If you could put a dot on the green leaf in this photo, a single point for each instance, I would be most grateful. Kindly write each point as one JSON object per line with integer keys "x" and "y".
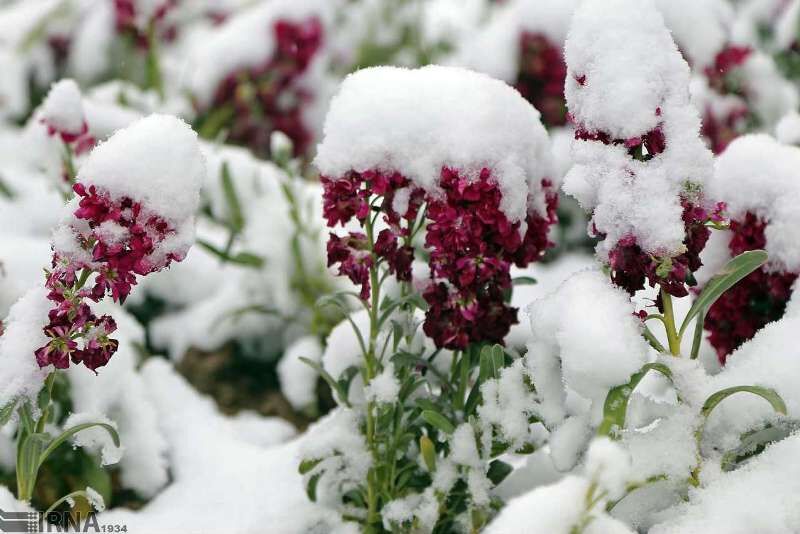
{"x": 28, "y": 454}
{"x": 311, "y": 487}
{"x": 68, "y": 433}
{"x": 245, "y": 259}
{"x": 248, "y": 259}
{"x": 616, "y": 404}
{"x": 524, "y": 281}
{"x": 753, "y": 443}
{"x": 498, "y": 471}
{"x": 768, "y": 394}
{"x": 428, "y": 450}
{"x": 7, "y": 411}
{"x": 498, "y": 360}
{"x": 736, "y": 269}
{"x": 438, "y": 421}
{"x": 333, "y": 384}
{"x": 651, "y": 338}
{"x": 235, "y": 216}
{"x": 307, "y": 465}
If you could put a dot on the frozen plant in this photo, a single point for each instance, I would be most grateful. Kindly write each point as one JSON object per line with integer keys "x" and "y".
{"x": 644, "y": 174}
{"x": 266, "y": 83}
{"x": 640, "y": 165}
{"x": 62, "y": 114}
{"x": 133, "y": 215}
{"x": 756, "y": 177}
{"x": 462, "y": 160}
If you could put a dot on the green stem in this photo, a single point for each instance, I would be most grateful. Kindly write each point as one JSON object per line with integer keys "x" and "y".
{"x": 371, "y": 371}
{"x": 78, "y": 493}
{"x": 48, "y": 384}
{"x": 669, "y": 324}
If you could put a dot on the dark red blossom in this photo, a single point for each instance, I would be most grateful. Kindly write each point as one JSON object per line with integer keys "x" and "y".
{"x": 643, "y": 147}
{"x": 352, "y": 254}
{"x": 472, "y": 245}
{"x": 119, "y": 243}
{"x": 125, "y": 21}
{"x": 631, "y": 266}
{"x": 260, "y": 100}
{"x": 720, "y": 127}
{"x": 542, "y": 72}
{"x": 758, "y": 299}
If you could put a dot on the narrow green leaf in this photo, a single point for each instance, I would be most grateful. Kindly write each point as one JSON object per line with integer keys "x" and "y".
{"x": 439, "y": 421}
{"x": 768, "y": 394}
{"x": 736, "y": 269}
{"x": 651, "y": 338}
{"x": 498, "y": 471}
{"x": 333, "y": 384}
{"x": 68, "y": 433}
{"x": 616, "y": 405}
{"x": 248, "y": 259}
{"x": 498, "y": 360}
{"x": 524, "y": 281}
{"x": 311, "y": 487}
{"x": 235, "y": 216}
{"x": 7, "y": 411}
{"x": 753, "y": 443}
{"x": 245, "y": 259}
{"x": 307, "y": 465}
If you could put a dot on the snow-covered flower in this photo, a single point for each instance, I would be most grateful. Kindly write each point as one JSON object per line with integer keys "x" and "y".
{"x": 639, "y": 164}
{"x": 756, "y": 176}
{"x": 119, "y": 229}
{"x": 484, "y": 213}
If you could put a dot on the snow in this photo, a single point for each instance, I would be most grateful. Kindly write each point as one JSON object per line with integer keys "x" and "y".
{"x": 787, "y": 131}
{"x": 298, "y": 379}
{"x": 384, "y": 387}
{"x": 344, "y": 458}
{"x": 609, "y": 465}
{"x": 95, "y": 438}
{"x": 267, "y": 472}
{"x": 95, "y": 499}
{"x": 770, "y": 360}
{"x": 627, "y": 196}
{"x": 554, "y": 509}
{"x": 700, "y": 28}
{"x": 417, "y": 121}
{"x": 119, "y": 391}
{"x": 62, "y": 110}
{"x": 20, "y": 375}
{"x": 759, "y": 175}
{"x": 611, "y": 335}
{"x": 507, "y": 404}
{"x": 759, "y": 497}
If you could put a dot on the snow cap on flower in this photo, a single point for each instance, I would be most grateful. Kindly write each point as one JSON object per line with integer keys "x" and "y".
{"x": 758, "y": 175}
{"x": 419, "y": 121}
{"x": 155, "y": 162}
{"x": 62, "y": 111}
{"x": 637, "y": 148}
